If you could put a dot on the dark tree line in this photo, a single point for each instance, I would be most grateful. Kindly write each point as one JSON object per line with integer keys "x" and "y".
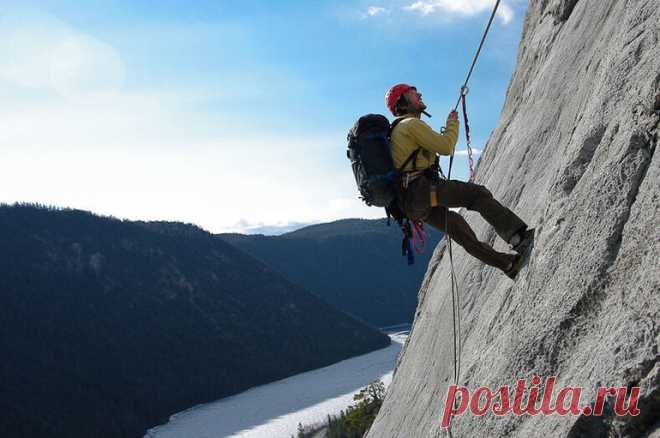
{"x": 353, "y": 264}
{"x": 355, "y": 421}
{"x": 107, "y": 327}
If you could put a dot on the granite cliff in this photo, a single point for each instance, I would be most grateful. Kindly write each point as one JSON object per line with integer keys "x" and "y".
{"x": 574, "y": 155}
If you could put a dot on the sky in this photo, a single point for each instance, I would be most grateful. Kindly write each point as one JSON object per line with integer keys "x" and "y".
{"x": 231, "y": 115}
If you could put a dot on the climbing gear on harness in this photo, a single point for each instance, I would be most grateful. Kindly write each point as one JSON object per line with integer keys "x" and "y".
{"x": 409, "y": 177}
{"x": 417, "y": 196}
{"x": 434, "y": 196}
{"x": 413, "y": 232}
{"x": 419, "y": 236}
{"x": 406, "y": 243}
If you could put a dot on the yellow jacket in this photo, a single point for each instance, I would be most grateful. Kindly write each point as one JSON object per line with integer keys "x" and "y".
{"x": 412, "y": 133}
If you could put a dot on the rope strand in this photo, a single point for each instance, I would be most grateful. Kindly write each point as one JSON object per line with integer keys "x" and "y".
{"x": 476, "y": 56}
{"x": 467, "y": 139}
{"x": 455, "y": 297}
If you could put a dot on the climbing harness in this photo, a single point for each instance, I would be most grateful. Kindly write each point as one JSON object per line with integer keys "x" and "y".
{"x": 455, "y": 298}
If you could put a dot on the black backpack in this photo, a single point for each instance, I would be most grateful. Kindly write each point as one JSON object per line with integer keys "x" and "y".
{"x": 370, "y": 152}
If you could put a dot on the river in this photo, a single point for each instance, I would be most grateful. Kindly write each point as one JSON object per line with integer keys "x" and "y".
{"x": 274, "y": 410}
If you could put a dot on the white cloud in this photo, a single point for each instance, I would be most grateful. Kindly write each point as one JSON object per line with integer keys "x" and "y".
{"x": 425, "y": 8}
{"x": 451, "y": 8}
{"x": 372, "y": 11}
{"x": 506, "y": 14}
{"x": 150, "y": 156}
{"x": 43, "y": 53}
{"x": 245, "y": 226}
{"x": 144, "y": 157}
{"x": 464, "y": 153}
{"x": 72, "y": 135}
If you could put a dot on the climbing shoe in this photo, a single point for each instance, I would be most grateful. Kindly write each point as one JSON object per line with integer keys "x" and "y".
{"x": 523, "y": 248}
{"x": 525, "y": 240}
{"x": 516, "y": 265}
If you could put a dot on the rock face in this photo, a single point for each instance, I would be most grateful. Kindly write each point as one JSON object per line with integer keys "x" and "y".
{"x": 574, "y": 156}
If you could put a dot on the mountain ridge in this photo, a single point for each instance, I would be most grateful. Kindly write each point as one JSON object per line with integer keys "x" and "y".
{"x": 111, "y": 326}
{"x": 354, "y": 264}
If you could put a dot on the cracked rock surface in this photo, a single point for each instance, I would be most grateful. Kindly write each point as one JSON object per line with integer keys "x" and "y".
{"x": 574, "y": 154}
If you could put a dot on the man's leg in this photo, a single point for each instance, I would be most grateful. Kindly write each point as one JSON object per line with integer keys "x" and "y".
{"x": 459, "y": 231}
{"x": 478, "y": 198}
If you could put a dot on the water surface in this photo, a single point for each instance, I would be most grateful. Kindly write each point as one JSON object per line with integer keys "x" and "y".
{"x": 275, "y": 409}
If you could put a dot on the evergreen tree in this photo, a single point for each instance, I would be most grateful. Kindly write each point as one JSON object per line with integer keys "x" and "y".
{"x": 358, "y": 418}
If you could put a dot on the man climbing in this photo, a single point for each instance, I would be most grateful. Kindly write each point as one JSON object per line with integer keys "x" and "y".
{"x": 425, "y": 196}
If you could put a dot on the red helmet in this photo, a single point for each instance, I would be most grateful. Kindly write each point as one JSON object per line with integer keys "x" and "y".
{"x": 393, "y": 94}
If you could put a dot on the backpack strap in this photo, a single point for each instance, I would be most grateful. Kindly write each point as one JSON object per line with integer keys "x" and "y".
{"x": 394, "y": 123}
{"x": 413, "y": 156}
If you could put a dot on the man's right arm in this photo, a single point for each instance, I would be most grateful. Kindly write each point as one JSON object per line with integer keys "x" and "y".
{"x": 427, "y": 138}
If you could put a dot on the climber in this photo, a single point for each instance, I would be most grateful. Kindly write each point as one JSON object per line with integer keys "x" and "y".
{"x": 425, "y": 196}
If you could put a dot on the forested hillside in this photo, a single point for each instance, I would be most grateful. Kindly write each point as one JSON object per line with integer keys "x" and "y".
{"x": 108, "y": 326}
{"x": 353, "y": 264}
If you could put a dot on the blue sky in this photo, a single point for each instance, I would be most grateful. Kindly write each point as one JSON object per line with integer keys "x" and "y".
{"x": 228, "y": 114}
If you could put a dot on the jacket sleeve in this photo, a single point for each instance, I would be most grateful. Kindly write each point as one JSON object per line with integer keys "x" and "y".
{"x": 427, "y": 138}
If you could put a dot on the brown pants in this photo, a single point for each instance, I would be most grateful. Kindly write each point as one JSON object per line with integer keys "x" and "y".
{"x": 416, "y": 202}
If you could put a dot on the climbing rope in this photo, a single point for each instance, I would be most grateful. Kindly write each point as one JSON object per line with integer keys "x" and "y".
{"x": 455, "y": 298}
{"x": 476, "y": 56}
{"x": 467, "y": 137}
